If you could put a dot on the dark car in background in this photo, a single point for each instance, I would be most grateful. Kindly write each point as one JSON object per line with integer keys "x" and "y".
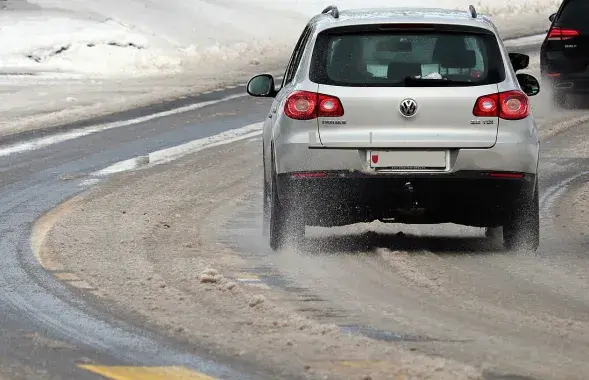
{"x": 564, "y": 55}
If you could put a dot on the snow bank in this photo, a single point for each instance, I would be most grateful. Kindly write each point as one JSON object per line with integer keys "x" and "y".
{"x": 113, "y": 38}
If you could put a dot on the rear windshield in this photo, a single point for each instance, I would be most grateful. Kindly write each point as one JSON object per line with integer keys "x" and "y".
{"x": 574, "y": 14}
{"x": 406, "y": 58}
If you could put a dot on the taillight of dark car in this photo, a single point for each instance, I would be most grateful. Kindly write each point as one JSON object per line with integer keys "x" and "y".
{"x": 305, "y": 105}
{"x": 562, "y": 34}
{"x": 509, "y": 105}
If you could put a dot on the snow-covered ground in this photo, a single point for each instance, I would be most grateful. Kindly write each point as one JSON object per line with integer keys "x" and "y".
{"x": 67, "y": 59}
{"x": 143, "y": 37}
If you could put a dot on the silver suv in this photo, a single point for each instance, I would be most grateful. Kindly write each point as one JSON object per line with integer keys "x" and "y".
{"x": 405, "y": 116}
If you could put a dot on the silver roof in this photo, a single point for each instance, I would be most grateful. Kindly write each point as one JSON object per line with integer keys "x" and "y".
{"x": 402, "y": 15}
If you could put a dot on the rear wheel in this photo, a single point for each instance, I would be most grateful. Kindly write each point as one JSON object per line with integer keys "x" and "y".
{"x": 493, "y": 232}
{"x": 522, "y": 229}
{"x": 266, "y": 209}
{"x": 285, "y": 224}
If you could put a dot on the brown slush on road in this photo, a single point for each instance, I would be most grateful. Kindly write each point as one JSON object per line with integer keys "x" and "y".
{"x": 144, "y": 244}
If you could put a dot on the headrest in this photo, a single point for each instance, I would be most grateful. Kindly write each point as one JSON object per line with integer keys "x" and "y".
{"x": 451, "y": 52}
{"x": 347, "y": 49}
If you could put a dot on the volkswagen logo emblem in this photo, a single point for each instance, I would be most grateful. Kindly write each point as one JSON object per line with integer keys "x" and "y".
{"x": 408, "y": 107}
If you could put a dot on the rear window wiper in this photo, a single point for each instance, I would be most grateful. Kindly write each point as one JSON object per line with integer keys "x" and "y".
{"x": 414, "y": 81}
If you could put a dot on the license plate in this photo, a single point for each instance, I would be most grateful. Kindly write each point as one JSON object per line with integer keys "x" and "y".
{"x": 408, "y": 160}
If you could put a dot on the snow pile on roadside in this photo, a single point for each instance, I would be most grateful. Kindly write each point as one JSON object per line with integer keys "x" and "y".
{"x": 110, "y": 38}
{"x": 61, "y": 44}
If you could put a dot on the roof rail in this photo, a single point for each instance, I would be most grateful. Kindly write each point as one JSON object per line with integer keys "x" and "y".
{"x": 473, "y": 11}
{"x": 333, "y": 10}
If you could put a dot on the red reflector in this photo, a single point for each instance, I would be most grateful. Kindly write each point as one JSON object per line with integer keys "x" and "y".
{"x": 553, "y": 74}
{"x": 509, "y": 105}
{"x": 309, "y": 175}
{"x": 507, "y": 175}
{"x": 560, "y": 34}
{"x": 306, "y": 105}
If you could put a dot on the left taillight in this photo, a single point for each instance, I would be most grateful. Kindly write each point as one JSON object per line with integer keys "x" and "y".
{"x": 509, "y": 105}
{"x": 305, "y": 105}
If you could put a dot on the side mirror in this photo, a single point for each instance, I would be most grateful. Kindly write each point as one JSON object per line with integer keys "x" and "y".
{"x": 519, "y": 61}
{"x": 529, "y": 84}
{"x": 552, "y": 17}
{"x": 262, "y": 86}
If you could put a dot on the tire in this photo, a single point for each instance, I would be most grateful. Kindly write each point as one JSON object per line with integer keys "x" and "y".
{"x": 266, "y": 201}
{"x": 492, "y": 233}
{"x": 276, "y": 222}
{"x": 285, "y": 225}
{"x": 522, "y": 230}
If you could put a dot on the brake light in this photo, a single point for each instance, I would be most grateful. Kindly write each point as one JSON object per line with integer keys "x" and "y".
{"x": 305, "y": 105}
{"x": 509, "y": 105}
{"x": 560, "y": 34}
{"x": 506, "y": 175}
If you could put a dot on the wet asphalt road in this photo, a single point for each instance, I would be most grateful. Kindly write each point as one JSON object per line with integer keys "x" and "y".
{"x": 454, "y": 293}
{"x": 447, "y": 290}
{"x": 46, "y": 328}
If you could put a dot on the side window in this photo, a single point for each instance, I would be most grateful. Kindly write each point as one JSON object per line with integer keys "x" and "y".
{"x": 297, "y": 54}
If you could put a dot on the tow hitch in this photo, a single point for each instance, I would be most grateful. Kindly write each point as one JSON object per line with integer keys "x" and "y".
{"x": 410, "y": 199}
{"x": 409, "y": 205}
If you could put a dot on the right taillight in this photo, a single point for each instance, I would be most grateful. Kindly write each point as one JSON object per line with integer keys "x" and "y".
{"x": 305, "y": 105}
{"x": 509, "y": 105}
{"x": 561, "y": 34}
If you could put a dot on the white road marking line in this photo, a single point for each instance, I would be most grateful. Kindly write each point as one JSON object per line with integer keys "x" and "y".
{"x": 530, "y": 40}
{"x": 54, "y": 139}
{"x": 173, "y": 153}
{"x": 89, "y": 182}
{"x": 556, "y": 191}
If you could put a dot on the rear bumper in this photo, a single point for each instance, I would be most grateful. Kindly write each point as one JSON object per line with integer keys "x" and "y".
{"x": 516, "y": 149}
{"x": 476, "y": 198}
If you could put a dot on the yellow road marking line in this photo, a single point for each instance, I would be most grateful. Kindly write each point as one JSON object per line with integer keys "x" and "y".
{"x": 145, "y": 373}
